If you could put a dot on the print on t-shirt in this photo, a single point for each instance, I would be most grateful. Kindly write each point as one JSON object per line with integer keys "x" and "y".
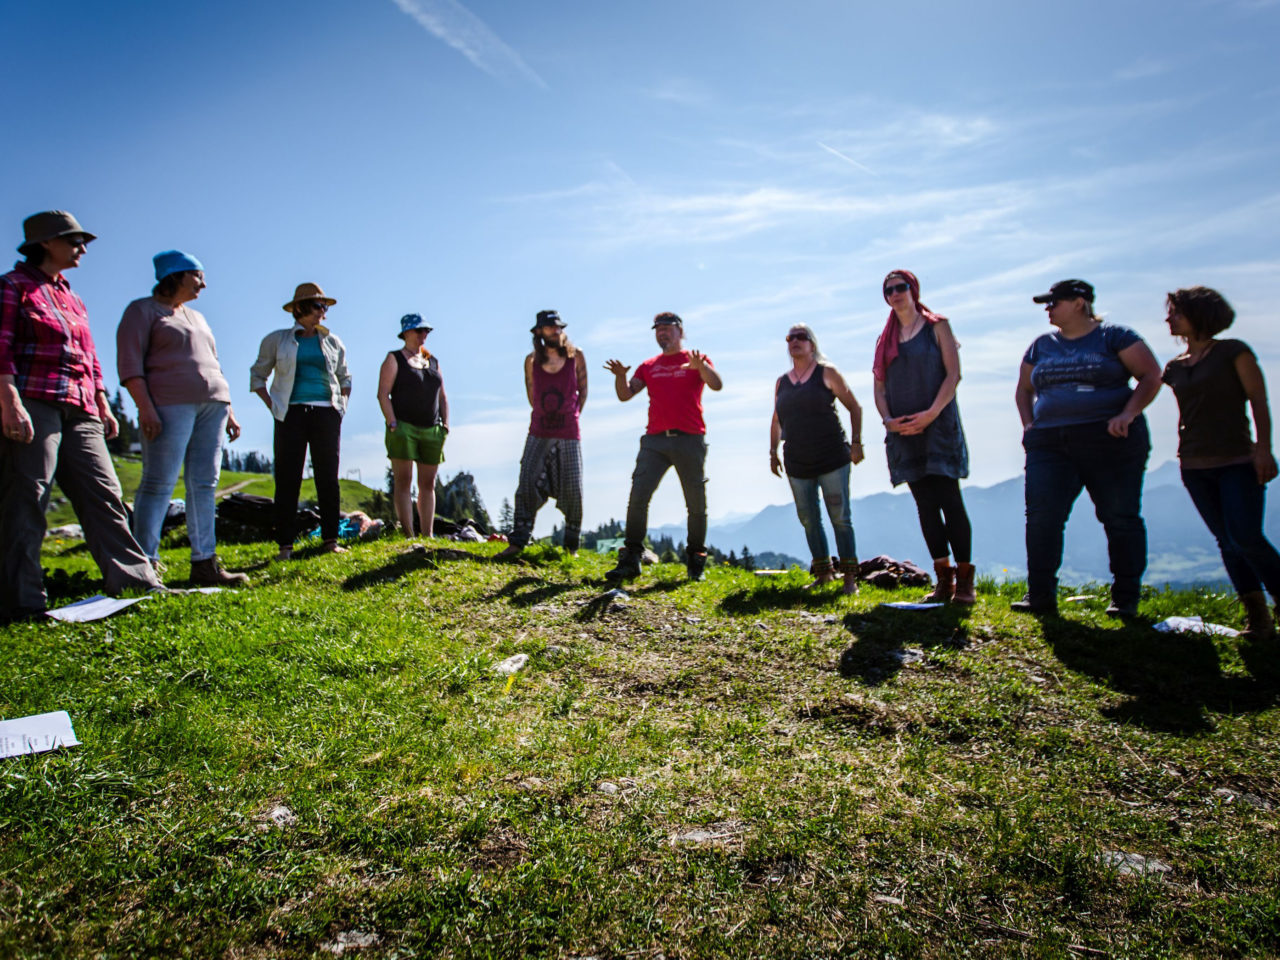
{"x": 552, "y": 404}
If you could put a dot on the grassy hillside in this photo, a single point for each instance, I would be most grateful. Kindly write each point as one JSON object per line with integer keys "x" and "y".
{"x": 263, "y": 484}
{"x": 727, "y": 769}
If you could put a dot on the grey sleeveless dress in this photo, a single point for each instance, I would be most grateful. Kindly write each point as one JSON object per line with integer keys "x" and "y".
{"x": 910, "y": 385}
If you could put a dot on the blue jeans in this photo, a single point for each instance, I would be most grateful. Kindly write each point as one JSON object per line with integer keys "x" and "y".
{"x": 1232, "y": 503}
{"x": 1061, "y": 461}
{"x": 835, "y": 491}
{"x": 191, "y": 441}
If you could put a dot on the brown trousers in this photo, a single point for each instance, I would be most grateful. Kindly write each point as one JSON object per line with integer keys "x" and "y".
{"x": 68, "y": 446}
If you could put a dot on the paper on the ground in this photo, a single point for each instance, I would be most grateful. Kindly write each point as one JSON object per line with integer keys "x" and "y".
{"x": 1194, "y": 625}
{"x": 44, "y": 731}
{"x": 904, "y": 605}
{"x": 94, "y": 608}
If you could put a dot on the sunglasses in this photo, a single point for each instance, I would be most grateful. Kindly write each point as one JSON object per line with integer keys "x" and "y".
{"x": 802, "y": 337}
{"x": 896, "y": 288}
{"x": 319, "y": 306}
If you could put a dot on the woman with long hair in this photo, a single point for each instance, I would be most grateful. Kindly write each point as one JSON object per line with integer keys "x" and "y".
{"x": 815, "y": 453}
{"x": 555, "y": 383}
{"x": 1224, "y": 468}
{"x": 917, "y": 370}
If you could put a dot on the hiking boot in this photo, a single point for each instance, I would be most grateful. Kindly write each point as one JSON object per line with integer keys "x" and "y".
{"x": 946, "y": 587}
{"x": 1124, "y": 602}
{"x": 628, "y": 567}
{"x": 697, "y": 565}
{"x": 1258, "y": 614}
{"x": 965, "y": 592}
{"x": 209, "y": 573}
{"x": 849, "y": 572}
{"x": 571, "y": 543}
{"x": 1030, "y": 604}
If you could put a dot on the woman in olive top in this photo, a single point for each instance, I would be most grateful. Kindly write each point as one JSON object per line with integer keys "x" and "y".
{"x": 308, "y": 397}
{"x": 815, "y": 452}
{"x": 411, "y": 395}
{"x": 1225, "y": 470}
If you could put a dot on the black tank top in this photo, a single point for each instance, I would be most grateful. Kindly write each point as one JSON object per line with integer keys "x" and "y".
{"x": 415, "y": 396}
{"x": 813, "y": 440}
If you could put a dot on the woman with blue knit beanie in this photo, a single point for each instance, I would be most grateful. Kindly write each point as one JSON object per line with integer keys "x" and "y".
{"x": 167, "y": 360}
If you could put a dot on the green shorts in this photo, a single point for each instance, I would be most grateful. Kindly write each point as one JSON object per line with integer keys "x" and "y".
{"x": 419, "y": 444}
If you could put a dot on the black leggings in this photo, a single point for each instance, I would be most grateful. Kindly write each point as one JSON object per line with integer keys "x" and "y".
{"x": 943, "y": 519}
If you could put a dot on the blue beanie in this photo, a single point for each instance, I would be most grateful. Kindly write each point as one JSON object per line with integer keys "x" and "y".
{"x": 175, "y": 261}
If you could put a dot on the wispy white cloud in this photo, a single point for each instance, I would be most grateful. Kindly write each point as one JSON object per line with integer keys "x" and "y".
{"x": 682, "y": 91}
{"x": 846, "y": 158}
{"x": 1142, "y": 68}
{"x": 455, "y": 25}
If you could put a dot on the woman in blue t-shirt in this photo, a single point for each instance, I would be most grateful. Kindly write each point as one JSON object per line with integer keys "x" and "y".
{"x": 1083, "y": 428}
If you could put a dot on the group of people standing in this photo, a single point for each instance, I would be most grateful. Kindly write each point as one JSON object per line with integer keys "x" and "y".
{"x": 1083, "y": 429}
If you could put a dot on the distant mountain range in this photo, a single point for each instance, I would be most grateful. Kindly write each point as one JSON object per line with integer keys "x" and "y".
{"x": 1181, "y": 550}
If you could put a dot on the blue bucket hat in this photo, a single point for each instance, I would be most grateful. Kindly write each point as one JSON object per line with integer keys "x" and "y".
{"x": 175, "y": 261}
{"x": 412, "y": 321}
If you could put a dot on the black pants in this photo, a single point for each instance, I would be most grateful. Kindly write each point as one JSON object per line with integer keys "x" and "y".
{"x": 321, "y": 429}
{"x": 943, "y": 519}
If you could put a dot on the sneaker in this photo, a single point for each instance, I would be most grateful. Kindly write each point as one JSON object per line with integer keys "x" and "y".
{"x": 628, "y": 567}
{"x": 696, "y": 565}
{"x": 209, "y": 573}
{"x": 1030, "y": 604}
{"x": 1122, "y": 608}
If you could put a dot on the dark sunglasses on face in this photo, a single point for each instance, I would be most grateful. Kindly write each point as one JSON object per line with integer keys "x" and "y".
{"x": 893, "y": 288}
{"x": 802, "y": 337}
{"x": 319, "y": 306}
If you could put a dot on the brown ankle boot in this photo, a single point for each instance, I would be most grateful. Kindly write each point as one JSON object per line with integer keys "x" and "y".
{"x": 946, "y": 574}
{"x": 964, "y": 584}
{"x": 1261, "y": 627}
{"x": 209, "y": 573}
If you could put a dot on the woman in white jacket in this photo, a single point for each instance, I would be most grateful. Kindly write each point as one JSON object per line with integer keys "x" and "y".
{"x": 307, "y": 397}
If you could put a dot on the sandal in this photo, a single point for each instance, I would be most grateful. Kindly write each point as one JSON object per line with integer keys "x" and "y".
{"x": 332, "y": 546}
{"x": 286, "y": 553}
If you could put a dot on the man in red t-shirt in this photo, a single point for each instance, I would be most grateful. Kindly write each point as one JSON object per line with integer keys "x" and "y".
{"x": 676, "y": 438}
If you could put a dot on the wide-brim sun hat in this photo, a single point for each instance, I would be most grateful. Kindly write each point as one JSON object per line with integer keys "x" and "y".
{"x": 47, "y": 225}
{"x": 413, "y": 321}
{"x": 308, "y": 291}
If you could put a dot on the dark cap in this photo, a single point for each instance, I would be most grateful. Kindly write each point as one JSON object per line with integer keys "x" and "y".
{"x": 667, "y": 319}
{"x": 1066, "y": 290}
{"x": 46, "y": 226}
{"x": 547, "y": 318}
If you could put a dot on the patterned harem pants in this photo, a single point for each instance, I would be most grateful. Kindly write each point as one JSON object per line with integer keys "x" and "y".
{"x": 550, "y": 468}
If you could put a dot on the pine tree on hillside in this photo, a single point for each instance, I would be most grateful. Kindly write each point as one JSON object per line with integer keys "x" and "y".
{"x": 123, "y": 441}
{"x": 506, "y": 517}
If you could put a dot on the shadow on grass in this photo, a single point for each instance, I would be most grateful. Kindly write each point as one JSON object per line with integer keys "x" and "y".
{"x": 419, "y": 558}
{"x": 882, "y": 634}
{"x": 775, "y": 596}
{"x": 614, "y": 597}
{"x": 527, "y": 591}
{"x": 1172, "y": 680}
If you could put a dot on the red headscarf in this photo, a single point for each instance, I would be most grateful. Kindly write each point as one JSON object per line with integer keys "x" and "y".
{"x": 887, "y": 345}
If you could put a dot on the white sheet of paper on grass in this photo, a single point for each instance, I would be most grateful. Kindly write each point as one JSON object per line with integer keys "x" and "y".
{"x": 905, "y": 605}
{"x": 1194, "y": 624}
{"x": 94, "y": 608}
{"x": 44, "y": 731}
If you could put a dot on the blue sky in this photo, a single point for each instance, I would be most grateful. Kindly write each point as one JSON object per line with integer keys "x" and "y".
{"x": 746, "y": 164}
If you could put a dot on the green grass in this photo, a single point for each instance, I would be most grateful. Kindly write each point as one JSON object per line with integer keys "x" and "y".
{"x": 855, "y": 805}
{"x": 129, "y": 471}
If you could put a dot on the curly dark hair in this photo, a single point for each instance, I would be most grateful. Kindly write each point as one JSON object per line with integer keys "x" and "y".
{"x": 1205, "y": 309}
{"x": 168, "y": 286}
